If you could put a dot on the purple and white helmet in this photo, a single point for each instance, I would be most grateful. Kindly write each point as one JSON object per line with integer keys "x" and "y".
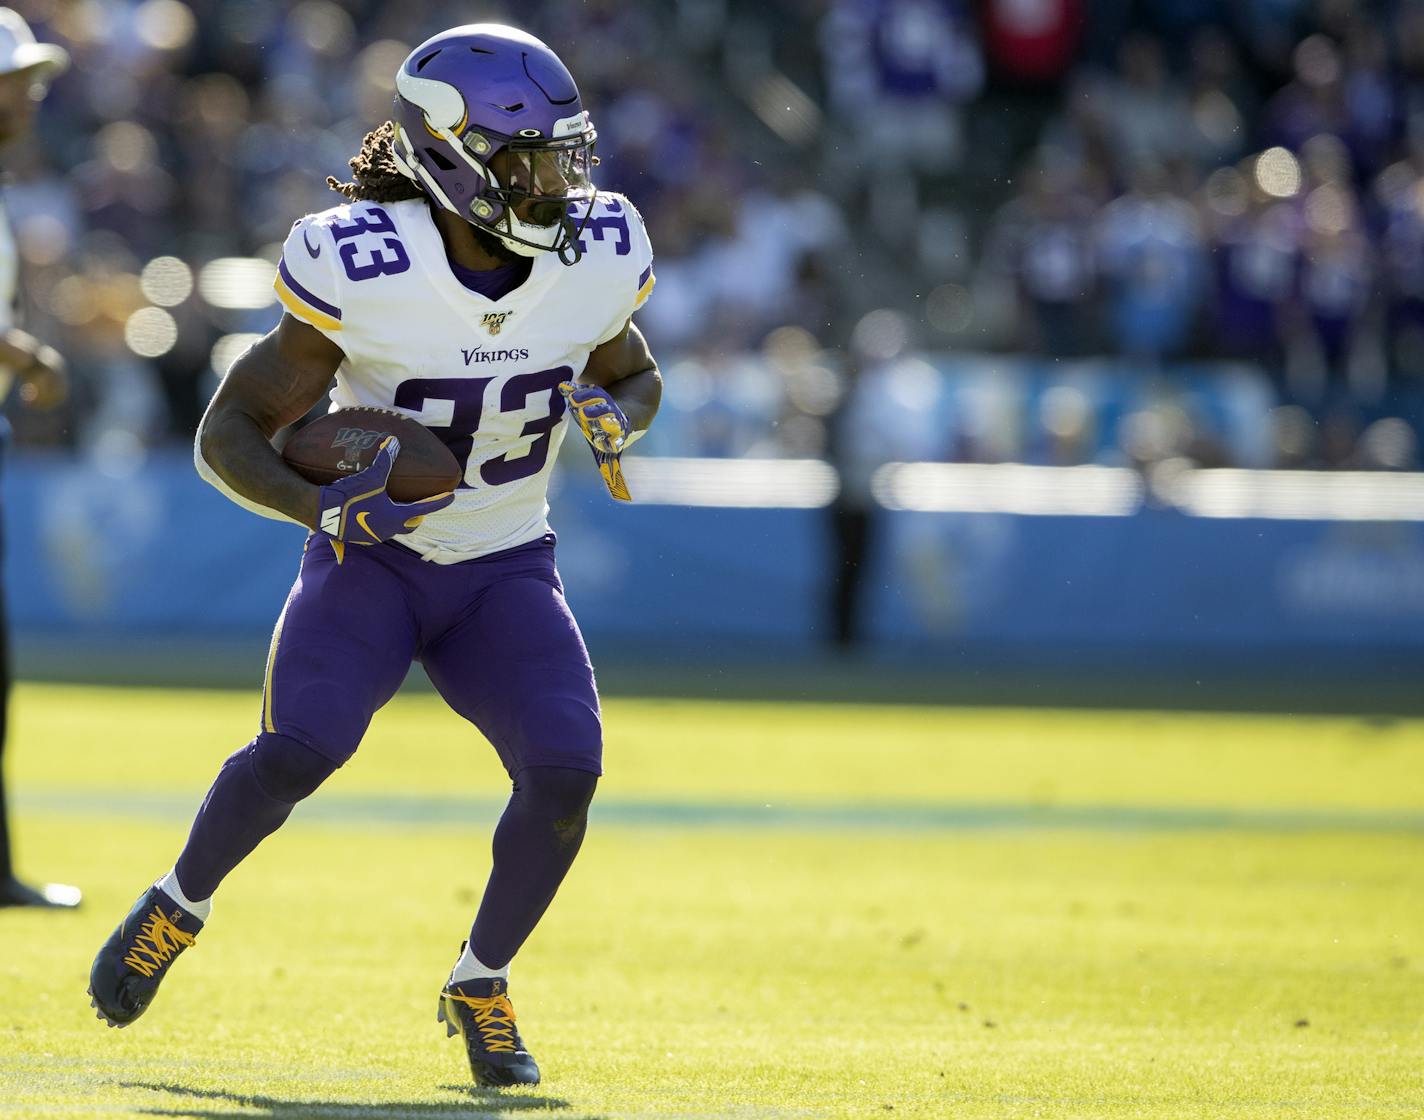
{"x": 472, "y": 92}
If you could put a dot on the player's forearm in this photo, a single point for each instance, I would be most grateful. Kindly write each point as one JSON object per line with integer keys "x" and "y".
{"x": 235, "y": 449}
{"x": 638, "y": 395}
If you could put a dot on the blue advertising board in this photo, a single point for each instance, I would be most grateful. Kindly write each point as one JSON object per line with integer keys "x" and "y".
{"x": 152, "y": 552}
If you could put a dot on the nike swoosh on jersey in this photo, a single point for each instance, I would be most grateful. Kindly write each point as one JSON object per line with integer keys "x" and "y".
{"x": 314, "y": 250}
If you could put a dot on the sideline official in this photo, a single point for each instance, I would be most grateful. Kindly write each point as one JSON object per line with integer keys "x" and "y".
{"x": 26, "y": 68}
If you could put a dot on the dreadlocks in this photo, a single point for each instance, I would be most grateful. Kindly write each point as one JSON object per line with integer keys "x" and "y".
{"x": 376, "y": 177}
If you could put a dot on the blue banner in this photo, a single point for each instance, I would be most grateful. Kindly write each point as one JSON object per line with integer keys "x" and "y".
{"x": 153, "y": 552}
{"x": 1154, "y": 581}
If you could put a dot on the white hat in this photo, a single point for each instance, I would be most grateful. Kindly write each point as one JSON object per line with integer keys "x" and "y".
{"x": 19, "y": 51}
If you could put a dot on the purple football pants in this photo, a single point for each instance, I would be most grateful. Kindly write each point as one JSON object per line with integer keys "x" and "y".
{"x": 494, "y": 634}
{"x": 498, "y": 642}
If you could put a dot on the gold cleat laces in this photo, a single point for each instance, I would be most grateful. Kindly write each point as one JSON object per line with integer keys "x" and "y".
{"x": 494, "y": 1016}
{"x": 157, "y": 942}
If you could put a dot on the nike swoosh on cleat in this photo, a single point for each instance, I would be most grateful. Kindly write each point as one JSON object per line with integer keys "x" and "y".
{"x": 314, "y": 250}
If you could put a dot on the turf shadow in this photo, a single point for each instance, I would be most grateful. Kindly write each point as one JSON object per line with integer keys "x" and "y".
{"x": 480, "y": 1104}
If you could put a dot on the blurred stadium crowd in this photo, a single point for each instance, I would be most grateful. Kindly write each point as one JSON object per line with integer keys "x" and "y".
{"x": 1058, "y": 232}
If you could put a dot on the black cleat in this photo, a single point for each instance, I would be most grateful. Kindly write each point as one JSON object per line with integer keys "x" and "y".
{"x": 480, "y": 1012}
{"x": 47, "y": 896}
{"x": 132, "y": 963}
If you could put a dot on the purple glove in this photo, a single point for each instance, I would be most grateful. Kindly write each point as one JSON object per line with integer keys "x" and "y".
{"x": 358, "y": 510}
{"x": 598, "y": 416}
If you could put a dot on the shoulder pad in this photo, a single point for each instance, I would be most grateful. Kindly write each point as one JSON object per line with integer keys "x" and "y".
{"x": 306, "y": 282}
{"x": 614, "y": 234}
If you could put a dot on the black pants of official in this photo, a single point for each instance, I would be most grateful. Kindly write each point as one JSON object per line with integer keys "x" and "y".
{"x": 850, "y": 545}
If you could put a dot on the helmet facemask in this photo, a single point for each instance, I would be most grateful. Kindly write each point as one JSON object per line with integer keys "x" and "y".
{"x": 549, "y": 182}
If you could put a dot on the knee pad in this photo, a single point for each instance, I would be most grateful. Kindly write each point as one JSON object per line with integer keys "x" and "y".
{"x": 559, "y": 793}
{"x": 286, "y": 769}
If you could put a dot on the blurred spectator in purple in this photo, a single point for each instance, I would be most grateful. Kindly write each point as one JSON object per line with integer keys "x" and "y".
{"x": 124, "y": 189}
{"x": 1369, "y": 104}
{"x": 1408, "y": 91}
{"x": 897, "y": 72}
{"x": 1313, "y": 102}
{"x": 1255, "y": 240}
{"x": 1399, "y": 192}
{"x": 1221, "y": 99}
{"x": 1153, "y": 267}
{"x": 1148, "y": 117}
{"x": 1269, "y": 28}
{"x": 1041, "y": 240}
{"x": 1338, "y": 269}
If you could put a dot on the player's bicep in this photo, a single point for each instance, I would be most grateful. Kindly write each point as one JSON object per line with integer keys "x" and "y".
{"x": 280, "y": 377}
{"x": 623, "y": 355}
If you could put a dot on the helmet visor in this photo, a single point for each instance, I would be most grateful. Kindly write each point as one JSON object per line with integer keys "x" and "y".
{"x": 548, "y": 174}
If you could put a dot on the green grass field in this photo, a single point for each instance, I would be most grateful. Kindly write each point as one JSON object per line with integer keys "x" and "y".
{"x": 781, "y": 911}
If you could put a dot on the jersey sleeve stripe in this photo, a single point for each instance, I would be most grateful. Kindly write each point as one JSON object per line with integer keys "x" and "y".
{"x": 303, "y": 303}
{"x": 306, "y": 296}
{"x": 648, "y": 280}
{"x": 302, "y": 311}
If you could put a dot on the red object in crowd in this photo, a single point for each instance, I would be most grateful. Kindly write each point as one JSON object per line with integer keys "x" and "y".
{"x": 1031, "y": 40}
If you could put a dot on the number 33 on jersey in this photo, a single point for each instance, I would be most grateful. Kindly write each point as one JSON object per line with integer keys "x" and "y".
{"x": 482, "y": 374}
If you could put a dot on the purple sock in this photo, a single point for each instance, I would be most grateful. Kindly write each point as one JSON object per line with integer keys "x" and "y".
{"x": 253, "y": 795}
{"x": 534, "y": 845}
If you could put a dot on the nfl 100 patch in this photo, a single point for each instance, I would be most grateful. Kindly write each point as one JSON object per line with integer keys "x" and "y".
{"x": 494, "y": 321}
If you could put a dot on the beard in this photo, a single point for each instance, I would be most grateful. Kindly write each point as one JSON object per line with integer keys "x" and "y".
{"x": 494, "y": 246}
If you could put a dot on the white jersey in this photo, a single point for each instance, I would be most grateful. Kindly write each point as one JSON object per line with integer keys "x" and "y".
{"x": 483, "y": 374}
{"x": 9, "y": 289}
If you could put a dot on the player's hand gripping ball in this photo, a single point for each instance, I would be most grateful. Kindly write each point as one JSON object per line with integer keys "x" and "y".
{"x": 598, "y": 416}
{"x": 357, "y": 509}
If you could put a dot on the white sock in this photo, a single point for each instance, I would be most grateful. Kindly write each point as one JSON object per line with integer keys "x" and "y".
{"x": 169, "y": 886}
{"x": 468, "y": 967}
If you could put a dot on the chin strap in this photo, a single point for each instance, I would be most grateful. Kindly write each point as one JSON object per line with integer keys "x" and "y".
{"x": 570, "y": 251}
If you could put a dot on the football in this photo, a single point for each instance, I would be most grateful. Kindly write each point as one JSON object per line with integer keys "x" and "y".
{"x": 344, "y": 442}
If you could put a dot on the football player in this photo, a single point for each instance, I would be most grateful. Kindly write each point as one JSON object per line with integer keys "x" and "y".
{"x": 476, "y": 281}
{"x": 26, "y": 69}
